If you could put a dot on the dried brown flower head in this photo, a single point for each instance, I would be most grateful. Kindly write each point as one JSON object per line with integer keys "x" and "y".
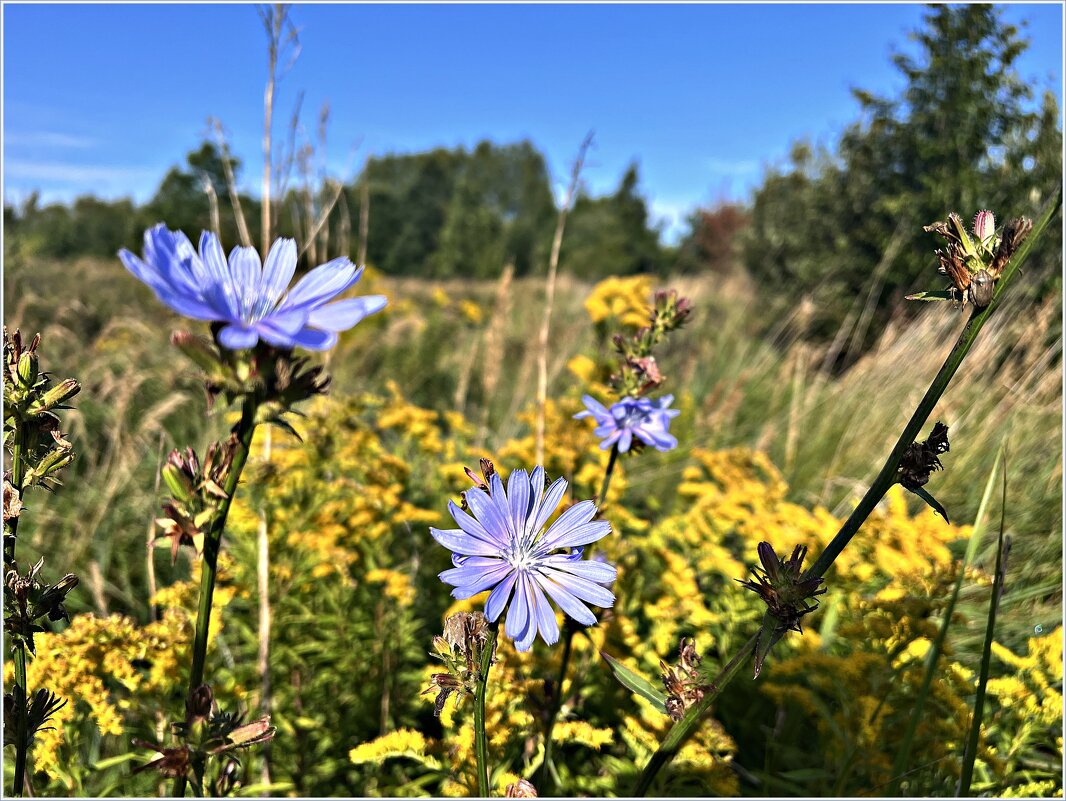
{"x": 787, "y": 593}
{"x": 922, "y": 458}
{"x": 683, "y": 683}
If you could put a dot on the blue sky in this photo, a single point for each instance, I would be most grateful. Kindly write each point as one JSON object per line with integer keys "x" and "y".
{"x": 104, "y": 98}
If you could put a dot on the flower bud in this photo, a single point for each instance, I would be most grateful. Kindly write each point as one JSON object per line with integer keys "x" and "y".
{"x": 28, "y": 369}
{"x": 199, "y": 704}
{"x": 179, "y": 483}
{"x": 60, "y": 393}
{"x": 198, "y": 349}
{"x": 984, "y": 228}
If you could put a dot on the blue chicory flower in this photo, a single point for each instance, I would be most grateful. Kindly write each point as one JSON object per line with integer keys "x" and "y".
{"x": 502, "y": 546}
{"x": 250, "y": 297}
{"x": 647, "y": 419}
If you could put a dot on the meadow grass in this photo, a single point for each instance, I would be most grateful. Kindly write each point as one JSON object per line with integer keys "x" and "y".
{"x": 737, "y": 386}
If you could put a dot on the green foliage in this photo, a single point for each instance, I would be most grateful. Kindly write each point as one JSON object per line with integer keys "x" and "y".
{"x": 610, "y": 235}
{"x": 843, "y": 226}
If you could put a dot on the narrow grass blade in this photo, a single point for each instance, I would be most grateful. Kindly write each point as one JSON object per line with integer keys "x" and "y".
{"x": 904, "y": 754}
{"x": 632, "y": 680}
{"x": 970, "y": 754}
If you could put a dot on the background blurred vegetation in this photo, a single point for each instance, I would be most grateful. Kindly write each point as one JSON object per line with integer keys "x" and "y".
{"x": 798, "y": 370}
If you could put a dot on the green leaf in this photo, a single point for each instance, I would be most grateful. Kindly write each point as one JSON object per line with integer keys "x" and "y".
{"x": 932, "y": 294}
{"x": 632, "y": 680}
{"x": 933, "y": 502}
{"x": 110, "y": 762}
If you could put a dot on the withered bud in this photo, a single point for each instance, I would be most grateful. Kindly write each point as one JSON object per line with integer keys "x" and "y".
{"x": 787, "y": 593}
{"x": 482, "y": 482}
{"x": 683, "y": 683}
{"x": 922, "y": 458}
{"x": 199, "y": 704}
{"x": 254, "y": 733}
{"x": 520, "y": 789}
{"x": 171, "y": 762}
{"x": 51, "y": 599}
{"x": 12, "y": 501}
{"x": 1014, "y": 233}
{"x": 228, "y": 779}
{"x": 647, "y": 370}
{"x": 461, "y": 649}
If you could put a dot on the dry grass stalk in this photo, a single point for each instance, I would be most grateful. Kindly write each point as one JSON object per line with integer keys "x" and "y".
{"x": 153, "y": 612}
{"x": 494, "y": 341}
{"x": 549, "y": 299}
{"x": 212, "y": 200}
{"x": 231, "y": 182}
{"x": 364, "y": 212}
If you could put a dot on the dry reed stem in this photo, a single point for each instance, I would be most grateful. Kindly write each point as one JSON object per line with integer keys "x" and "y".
{"x": 549, "y": 296}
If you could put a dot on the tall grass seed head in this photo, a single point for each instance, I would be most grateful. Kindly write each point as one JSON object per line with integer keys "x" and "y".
{"x": 505, "y": 545}
{"x": 251, "y": 299}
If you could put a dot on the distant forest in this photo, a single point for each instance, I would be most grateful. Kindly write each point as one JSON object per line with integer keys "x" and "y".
{"x": 832, "y": 224}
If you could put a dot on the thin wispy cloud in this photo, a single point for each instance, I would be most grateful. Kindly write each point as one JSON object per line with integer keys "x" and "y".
{"x": 74, "y": 173}
{"x": 735, "y": 168}
{"x": 49, "y": 139}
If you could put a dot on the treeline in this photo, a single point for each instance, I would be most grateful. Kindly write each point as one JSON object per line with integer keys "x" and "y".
{"x": 445, "y": 213}
{"x": 836, "y": 230}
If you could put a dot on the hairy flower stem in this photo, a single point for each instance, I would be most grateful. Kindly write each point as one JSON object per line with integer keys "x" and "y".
{"x": 568, "y": 649}
{"x": 688, "y": 725}
{"x": 212, "y": 543}
{"x": 481, "y": 745}
{"x": 22, "y": 735}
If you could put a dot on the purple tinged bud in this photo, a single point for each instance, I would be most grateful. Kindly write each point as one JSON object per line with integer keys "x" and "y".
{"x": 984, "y": 227}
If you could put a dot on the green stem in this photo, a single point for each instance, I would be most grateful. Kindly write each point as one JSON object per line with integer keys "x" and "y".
{"x": 212, "y": 544}
{"x": 685, "y": 727}
{"x": 556, "y": 706}
{"x": 22, "y": 749}
{"x": 481, "y": 745}
{"x": 607, "y": 476}
{"x": 568, "y": 649}
{"x": 918, "y": 712}
{"x": 970, "y": 754}
{"x": 22, "y": 734}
